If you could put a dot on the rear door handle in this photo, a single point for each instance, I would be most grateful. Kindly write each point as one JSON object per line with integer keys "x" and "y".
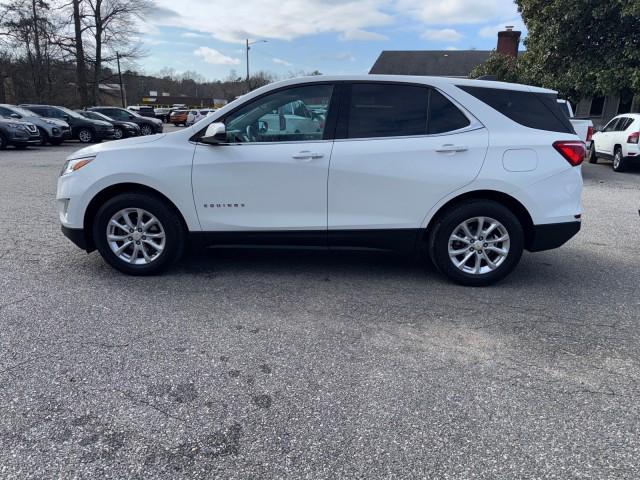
{"x": 307, "y": 155}
{"x": 450, "y": 148}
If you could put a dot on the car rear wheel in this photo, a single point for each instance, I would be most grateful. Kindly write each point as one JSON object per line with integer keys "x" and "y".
{"x": 593, "y": 157}
{"x": 146, "y": 130}
{"x": 476, "y": 243}
{"x": 619, "y": 163}
{"x": 85, "y": 135}
{"x": 118, "y": 133}
{"x": 138, "y": 234}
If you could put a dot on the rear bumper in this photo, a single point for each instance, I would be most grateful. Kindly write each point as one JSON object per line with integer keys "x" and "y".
{"x": 553, "y": 235}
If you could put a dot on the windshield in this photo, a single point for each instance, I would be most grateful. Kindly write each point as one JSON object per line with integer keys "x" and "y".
{"x": 23, "y": 112}
{"x": 135, "y": 114}
{"x": 98, "y": 116}
{"x": 71, "y": 113}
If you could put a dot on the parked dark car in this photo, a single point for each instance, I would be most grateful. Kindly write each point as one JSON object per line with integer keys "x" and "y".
{"x": 18, "y": 133}
{"x": 84, "y": 129}
{"x": 121, "y": 129}
{"x": 143, "y": 110}
{"x": 148, "y": 126}
{"x": 52, "y": 130}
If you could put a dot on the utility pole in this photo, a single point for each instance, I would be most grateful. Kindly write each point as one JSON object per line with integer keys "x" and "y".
{"x": 121, "y": 86}
{"x": 248, "y": 47}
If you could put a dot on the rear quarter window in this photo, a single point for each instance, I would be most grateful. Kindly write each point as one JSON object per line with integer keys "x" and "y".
{"x": 530, "y": 109}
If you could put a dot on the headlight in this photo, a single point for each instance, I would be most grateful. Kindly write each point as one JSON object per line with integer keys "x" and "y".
{"x": 50, "y": 122}
{"x": 17, "y": 126}
{"x": 71, "y": 166}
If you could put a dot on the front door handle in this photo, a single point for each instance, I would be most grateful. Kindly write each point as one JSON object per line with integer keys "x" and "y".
{"x": 450, "y": 148}
{"x": 307, "y": 155}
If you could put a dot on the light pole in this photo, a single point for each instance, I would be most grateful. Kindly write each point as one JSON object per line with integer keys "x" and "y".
{"x": 121, "y": 86}
{"x": 248, "y": 46}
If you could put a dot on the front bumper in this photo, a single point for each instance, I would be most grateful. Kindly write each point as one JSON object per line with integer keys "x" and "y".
{"x": 552, "y": 235}
{"x": 76, "y": 235}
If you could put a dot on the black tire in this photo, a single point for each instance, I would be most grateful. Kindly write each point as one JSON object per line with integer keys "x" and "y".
{"x": 593, "y": 157}
{"x": 619, "y": 162}
{"x": 146, "y": 129}
{"x": 44, "y": 138}
{"x": 447, "y": 223}
{"x": 86, "y": 135}
{"x": 56, "y": 141}
{"x": 21, "y": 146}
{"x": 3, "y": 142}
{"x": 118, "y": 133}
{"x": 174, "y": 232}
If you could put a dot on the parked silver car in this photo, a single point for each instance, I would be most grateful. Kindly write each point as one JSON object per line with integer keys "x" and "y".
{"x": 52, "y": 130}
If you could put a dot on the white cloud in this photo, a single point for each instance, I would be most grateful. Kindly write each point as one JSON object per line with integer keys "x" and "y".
{"x": 233, "y": 21}
{"x": 491, "y": 31}
{"x": 215, "y": 57}
{"x": 194, "y": 35}
{"x": 279, "y": 61}
{"x": 362, "y": 35}
{"x": 443, "y": 35}
{"x": 456, "y": 12}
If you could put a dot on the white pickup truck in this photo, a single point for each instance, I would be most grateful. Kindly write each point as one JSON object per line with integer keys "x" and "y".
{"x": 584, "y": 128}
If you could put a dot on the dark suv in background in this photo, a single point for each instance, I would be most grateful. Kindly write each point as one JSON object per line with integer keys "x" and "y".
{"x": 148, "y": 126}
{"x": 84, "y": 129}
{"x": 18, "y": 133}
{"x": 52, "y": 130}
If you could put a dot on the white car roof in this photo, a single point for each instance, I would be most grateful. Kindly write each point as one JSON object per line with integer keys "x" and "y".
{"x": 434, "y": 81}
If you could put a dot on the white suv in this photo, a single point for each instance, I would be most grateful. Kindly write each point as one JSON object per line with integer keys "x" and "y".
{"x": 618, "y": 141}
{"x": 467, "y": 172}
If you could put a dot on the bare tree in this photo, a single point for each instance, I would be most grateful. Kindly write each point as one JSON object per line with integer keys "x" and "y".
{"x": 111, "y": 24}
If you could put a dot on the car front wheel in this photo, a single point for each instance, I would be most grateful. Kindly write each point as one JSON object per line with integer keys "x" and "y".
{"x": 3, "y": 142}
{"x": 146, "y": 130}
{"x": 85, "y": 135}
{"x": 118, "y": 133}
{"x": 477, "y": 243}
{"x": 138, "y": 234}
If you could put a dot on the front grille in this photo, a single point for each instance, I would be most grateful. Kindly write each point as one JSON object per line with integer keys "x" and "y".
{"x": 32, "y": 128}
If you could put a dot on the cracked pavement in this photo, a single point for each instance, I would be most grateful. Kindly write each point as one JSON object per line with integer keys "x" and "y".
{"x": 243, "y": 364}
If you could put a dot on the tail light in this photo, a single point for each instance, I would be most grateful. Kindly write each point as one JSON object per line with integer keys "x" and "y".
{"x": 573, "y": 151}
{"x": 634, "y": 137}
{"x": 589, "y": 134}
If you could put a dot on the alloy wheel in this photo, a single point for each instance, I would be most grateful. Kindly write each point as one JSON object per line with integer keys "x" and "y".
{"x": 118, "y": 133}
{"x": 479, "y": 245}
{"x": 146, "y": 130}
{"x": 136, "y": 236}
{"x": 85, "y": 136}
{"x": 616, "y": 160}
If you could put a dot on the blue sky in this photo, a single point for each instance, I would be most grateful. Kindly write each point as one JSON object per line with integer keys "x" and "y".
{"x": 332, "y": 36}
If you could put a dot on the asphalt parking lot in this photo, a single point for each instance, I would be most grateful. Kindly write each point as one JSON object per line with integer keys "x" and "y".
{"x": 242, "y": 365}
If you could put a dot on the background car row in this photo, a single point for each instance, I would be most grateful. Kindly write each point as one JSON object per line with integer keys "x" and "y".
{"x": 27, "y": 124}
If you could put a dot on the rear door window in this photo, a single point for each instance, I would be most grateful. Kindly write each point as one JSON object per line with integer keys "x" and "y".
{"x": 387, "y": 110}
{"x": 395, "y": 110}
{"x": 444, "y": 116}
{"x": 531, "y": 109}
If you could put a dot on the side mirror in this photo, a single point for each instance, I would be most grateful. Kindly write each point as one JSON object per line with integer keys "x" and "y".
{"x": 215, "y": 134}
{"x": 15, "y": 115}
{"x": 131, "y": 117}
{"x": 66, "y": 117}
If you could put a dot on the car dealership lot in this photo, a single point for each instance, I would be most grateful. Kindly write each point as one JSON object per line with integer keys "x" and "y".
{"x": 245, "y": 364}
